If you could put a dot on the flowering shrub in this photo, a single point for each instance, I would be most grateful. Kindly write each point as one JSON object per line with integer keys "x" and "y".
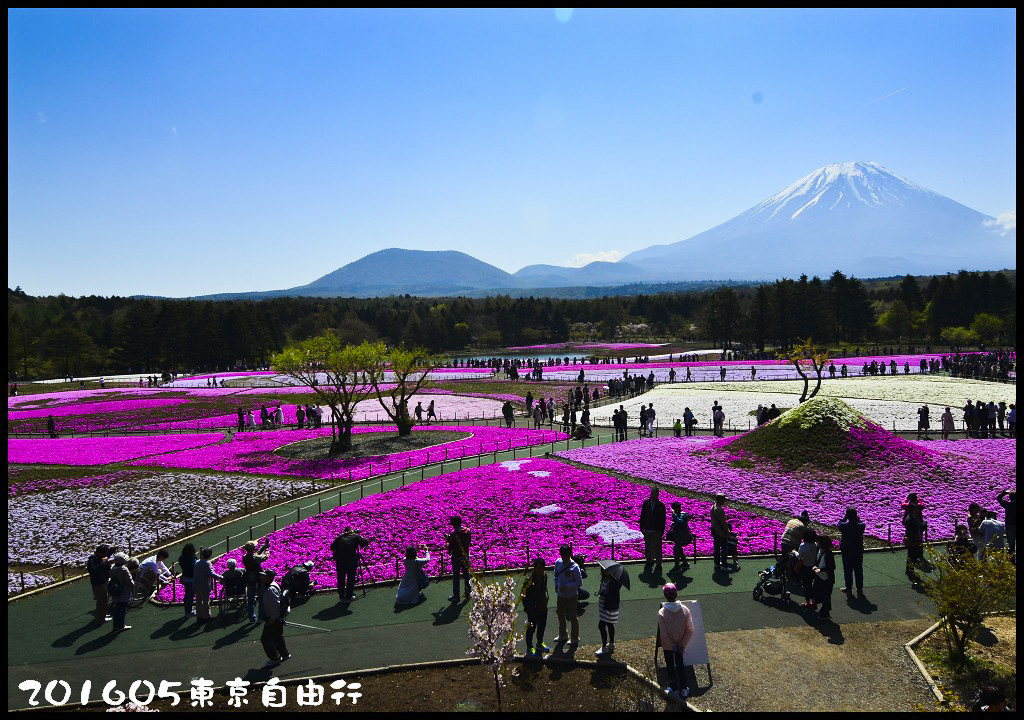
{"x": 111, "y": 406}
{"x": 495, "y": 503}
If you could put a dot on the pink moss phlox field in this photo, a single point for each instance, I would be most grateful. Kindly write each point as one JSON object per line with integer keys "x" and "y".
{"x": 619, "y": 346}
{"x": 253, "y": 452}
{"x": 111, "y": 406}
{"x": 100, "y": 450}
{"x": 57, "y": 399}
{"x": 495, "y": 503}
{"x": 947, "y": 476}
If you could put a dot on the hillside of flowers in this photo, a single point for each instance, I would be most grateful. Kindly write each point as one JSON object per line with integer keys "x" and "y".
{"x": 511, "y": 508}
{"x": 825, "y": 467}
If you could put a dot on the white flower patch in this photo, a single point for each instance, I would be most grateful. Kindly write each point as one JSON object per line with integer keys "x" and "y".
{"x": 547, "y": 510}
{"x": 66, "y": 525}
{"x": 614, "y": 531}
{"x": 514, "y": 464}
{"x": 538, "y": 473}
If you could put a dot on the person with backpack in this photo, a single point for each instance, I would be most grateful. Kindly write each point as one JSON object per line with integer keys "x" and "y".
{"x": 345, "y": 551}
{"x": 680, "y": 535}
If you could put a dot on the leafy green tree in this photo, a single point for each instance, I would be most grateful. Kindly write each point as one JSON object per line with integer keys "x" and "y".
{"x": 896, "y": 321}
{"x": 986, "y": 327}
{"x": 966, "y": 590}
{"x": 410, "y": 369}
{"x": 958, "y": 337}
{"x": 68, "y": 348}
{"x": 325, "y": 355}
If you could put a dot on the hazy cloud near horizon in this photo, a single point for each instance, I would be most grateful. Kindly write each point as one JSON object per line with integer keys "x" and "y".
{"x": 581, "y": 259}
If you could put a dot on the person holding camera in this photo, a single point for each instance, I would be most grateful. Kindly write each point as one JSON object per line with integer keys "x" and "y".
{"x": 410, "y": 591}
{"x": 345, "y": 551}
{"x": 252, "y": 562}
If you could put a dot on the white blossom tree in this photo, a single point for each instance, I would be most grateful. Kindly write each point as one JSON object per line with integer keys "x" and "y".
{"x": 492, "y": 627}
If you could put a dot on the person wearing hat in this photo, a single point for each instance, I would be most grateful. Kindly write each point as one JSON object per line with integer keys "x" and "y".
{"x": 675, "y": 629}
{"x": 273, "y": 627}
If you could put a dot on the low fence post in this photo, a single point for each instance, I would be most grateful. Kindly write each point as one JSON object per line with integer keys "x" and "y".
{"x": 250, "y": 532}
{"x": 275, "y": 522}
{"x": 227, "y": 544}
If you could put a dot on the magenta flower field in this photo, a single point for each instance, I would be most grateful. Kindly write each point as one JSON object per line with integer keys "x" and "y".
{"x": 498, "y": 504}
{"x": 252, "y": 452}
{"x": 947, "y": 476}
{"x": 101, "y": 450}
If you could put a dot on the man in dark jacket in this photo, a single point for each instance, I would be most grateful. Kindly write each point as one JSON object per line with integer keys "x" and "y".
{"x": 652, "y": 525}
{"x": 345, "y": 550}
{"x": 851, "y": 548}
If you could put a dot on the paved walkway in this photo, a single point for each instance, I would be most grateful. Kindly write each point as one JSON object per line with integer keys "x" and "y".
{"x": 50, "y": 636}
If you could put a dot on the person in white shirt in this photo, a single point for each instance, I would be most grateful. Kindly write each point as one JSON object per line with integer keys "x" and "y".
{"x": 153, "y": 570}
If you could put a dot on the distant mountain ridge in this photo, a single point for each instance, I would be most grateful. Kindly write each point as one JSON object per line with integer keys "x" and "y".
{"x": 856, "y": 217}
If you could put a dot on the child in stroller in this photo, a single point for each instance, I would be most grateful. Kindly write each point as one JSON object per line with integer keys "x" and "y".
{"x": 773, "y": 580}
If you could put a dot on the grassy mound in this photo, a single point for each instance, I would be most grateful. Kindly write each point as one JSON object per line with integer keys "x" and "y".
{"x": 375, "y": 444}
{"x": 824, "y": 433}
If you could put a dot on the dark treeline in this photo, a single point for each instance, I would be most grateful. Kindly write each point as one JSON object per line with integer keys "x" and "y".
{"x": 54, "y": 336}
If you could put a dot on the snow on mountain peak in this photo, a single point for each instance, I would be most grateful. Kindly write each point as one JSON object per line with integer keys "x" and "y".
{"x": 839, "y": 186}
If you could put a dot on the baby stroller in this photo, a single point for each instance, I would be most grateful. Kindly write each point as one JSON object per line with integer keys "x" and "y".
{"x": 773, "y": 580}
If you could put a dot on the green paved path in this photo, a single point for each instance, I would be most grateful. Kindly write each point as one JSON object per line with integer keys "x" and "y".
{"x": 50, "y": 636}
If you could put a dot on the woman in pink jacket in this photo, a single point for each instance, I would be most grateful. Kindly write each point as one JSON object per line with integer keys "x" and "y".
{"x": 675, "y": 628}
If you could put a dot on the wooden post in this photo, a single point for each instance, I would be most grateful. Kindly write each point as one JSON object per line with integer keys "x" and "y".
{"x": 63, "y": 573}
{"x": 297, "y": 509}
{"x": 227, "y": 544}
{"x": 250, "y": 532}
{"x": 275, "y": 522}
{"x": 319, "y": 506}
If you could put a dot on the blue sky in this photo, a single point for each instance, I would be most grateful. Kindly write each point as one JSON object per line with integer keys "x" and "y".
{"x": 189, "y": 152}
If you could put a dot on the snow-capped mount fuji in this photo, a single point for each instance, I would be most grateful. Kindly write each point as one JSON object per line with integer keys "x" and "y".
{"x": 856, "y": 217}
